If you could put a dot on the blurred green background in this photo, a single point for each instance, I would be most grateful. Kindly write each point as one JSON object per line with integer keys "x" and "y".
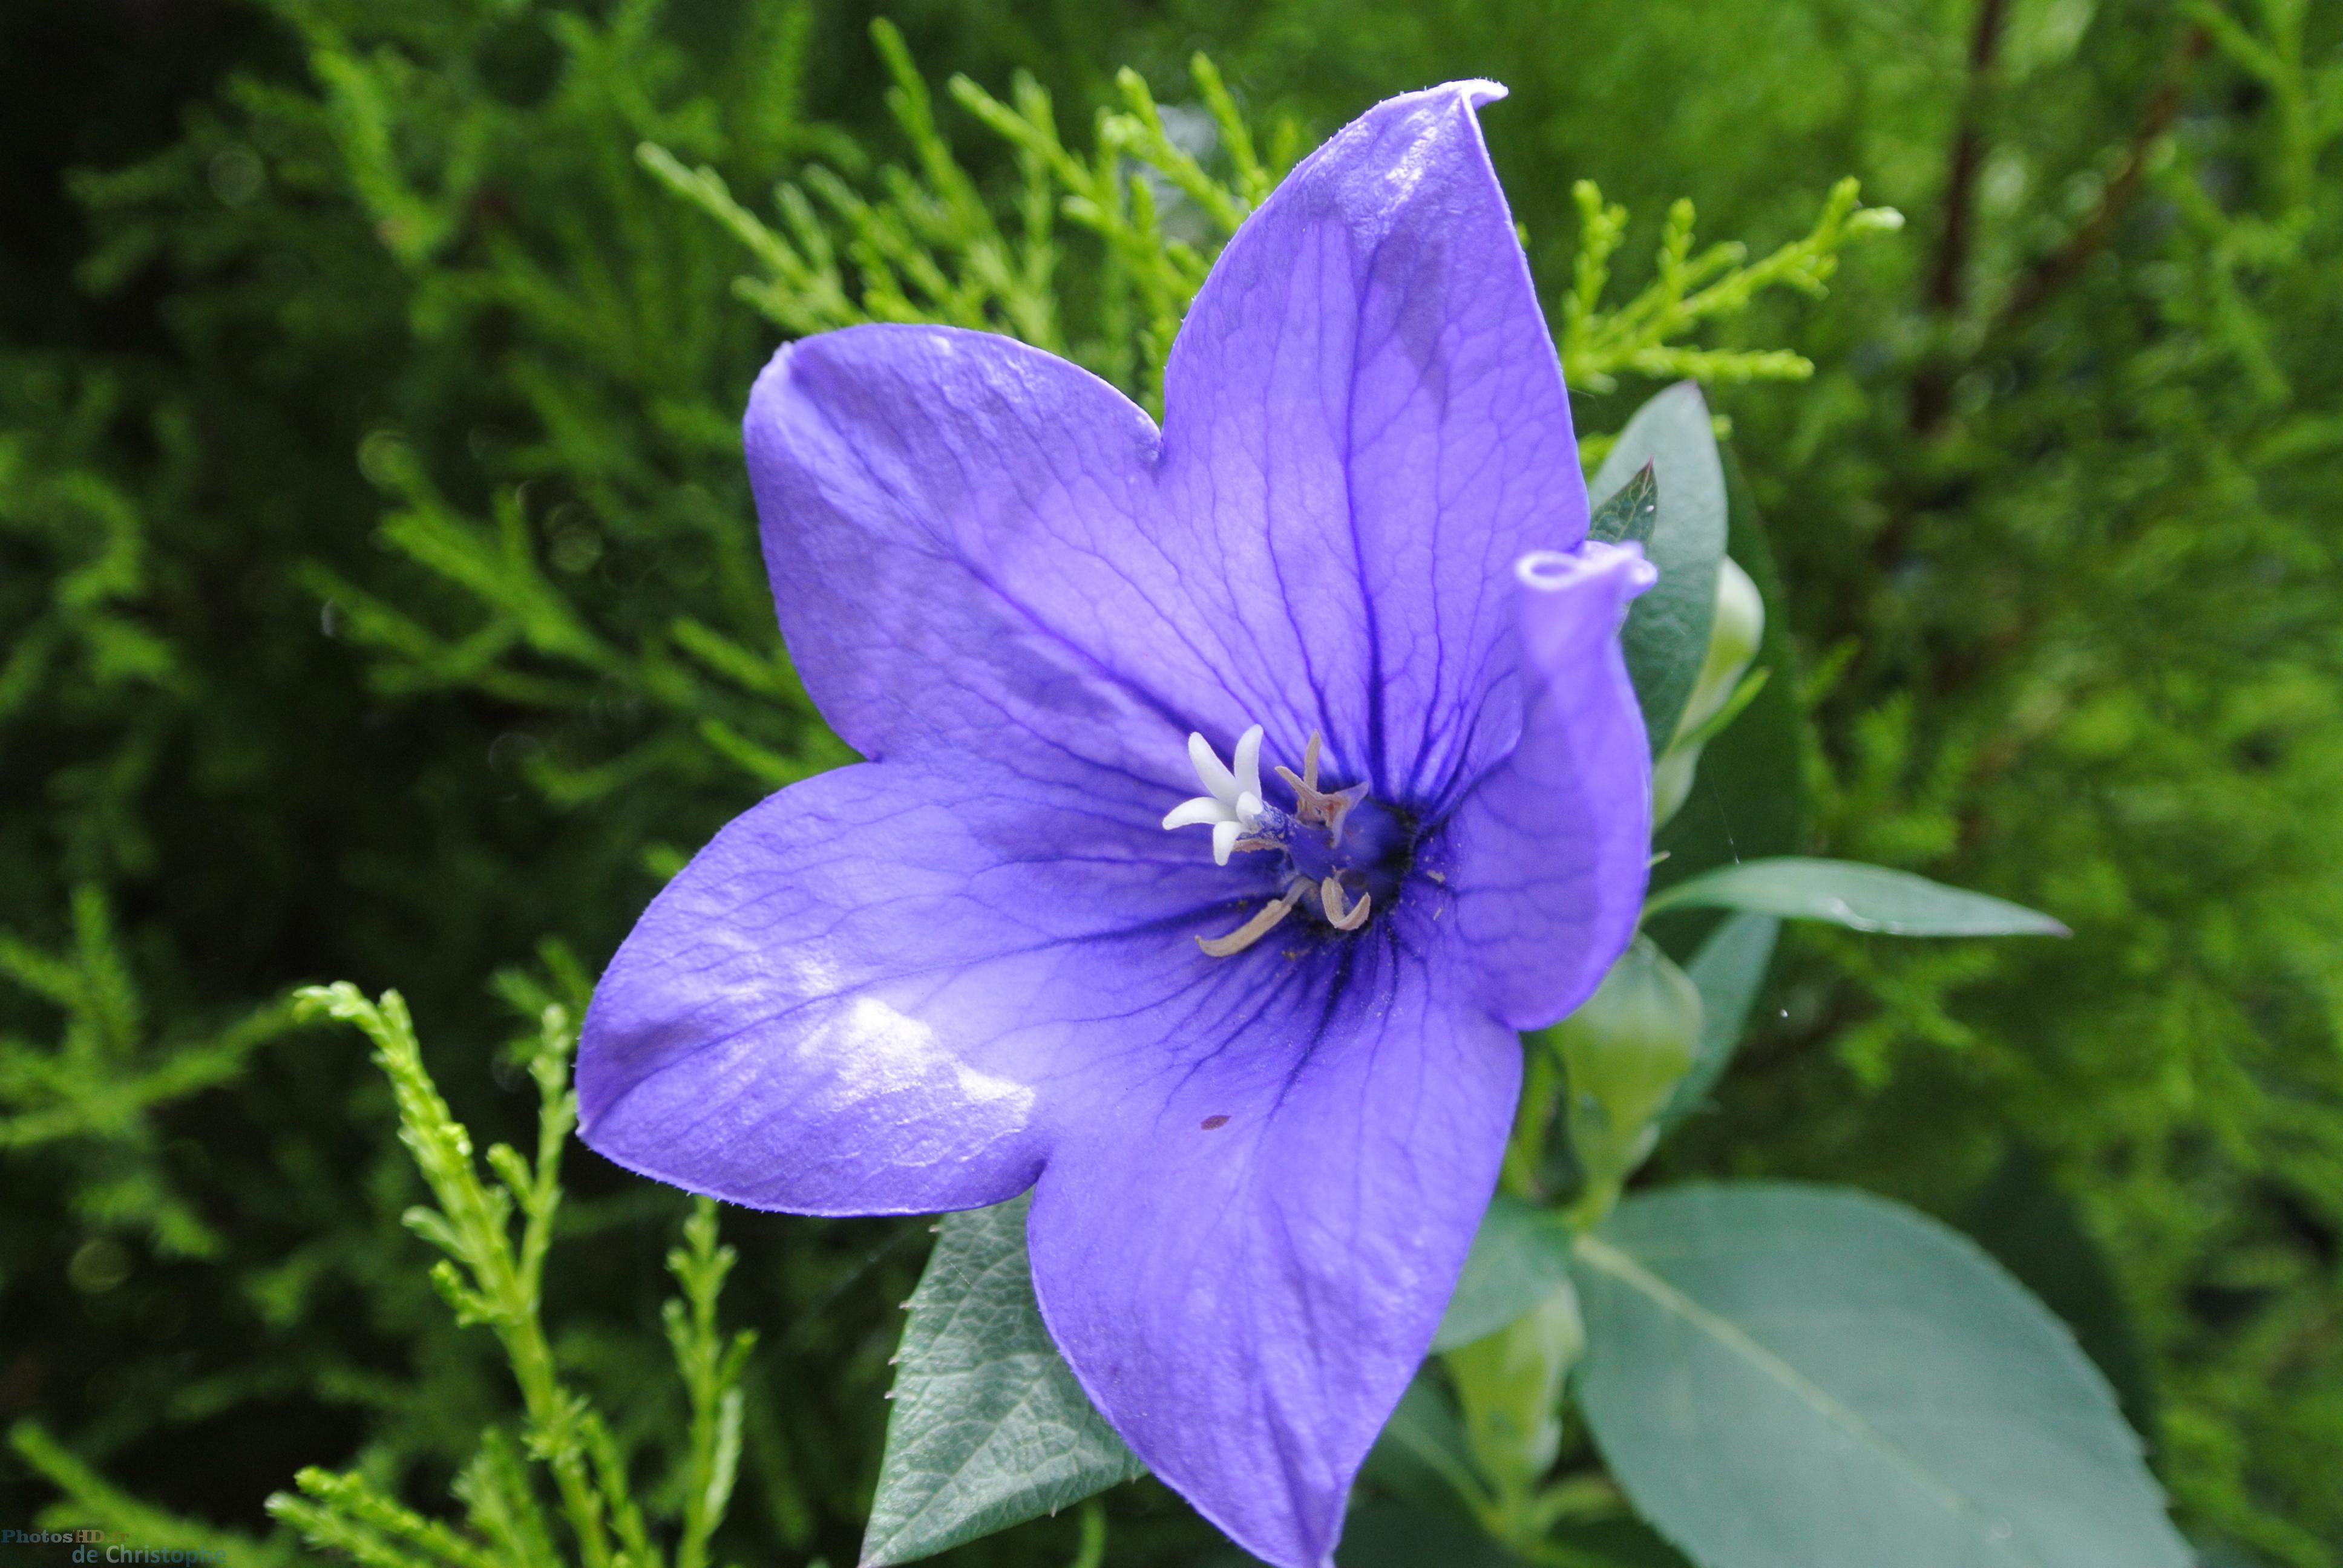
{"x": 378, "y": 600}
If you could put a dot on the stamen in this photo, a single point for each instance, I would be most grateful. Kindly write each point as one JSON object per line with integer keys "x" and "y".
{"x": 1262, "y": 923}
{"x": 1312, "y": 804}
{"x": 1316, "y": 840}
{"x": 1330, "y": 896}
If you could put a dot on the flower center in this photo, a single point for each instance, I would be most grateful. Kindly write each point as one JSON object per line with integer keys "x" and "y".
{"x": 1342, "y": 850}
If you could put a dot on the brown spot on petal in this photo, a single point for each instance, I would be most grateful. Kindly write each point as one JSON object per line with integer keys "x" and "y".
{"x": 1214, "y": 1123}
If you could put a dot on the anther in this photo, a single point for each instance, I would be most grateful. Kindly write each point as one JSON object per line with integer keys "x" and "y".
{"x": 1330, "y": 897}
{"x": 1264, "y": 921}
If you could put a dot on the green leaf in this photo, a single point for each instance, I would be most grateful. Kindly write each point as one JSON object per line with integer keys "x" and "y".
{"x": 2033, "y": 1229}
{"x": 1850, "y": 893}
{"x": 1629, "y": 515}
{"x": 990, "y": 1427}
{"x": 1520, "y": 1256}
{"x": 1784, "y": 1376}
{"x": 1727, "y": 971}
{"x": 1666, "y": 635}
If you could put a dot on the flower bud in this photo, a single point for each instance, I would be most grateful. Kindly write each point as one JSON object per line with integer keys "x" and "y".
{"x": 1739, "y": 624}
{"x": 1624, "y": 1051}
{"x": 1509, "y": 1385}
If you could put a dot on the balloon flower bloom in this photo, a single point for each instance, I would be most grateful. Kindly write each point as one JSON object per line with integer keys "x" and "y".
{"x": 1237, "y": 790}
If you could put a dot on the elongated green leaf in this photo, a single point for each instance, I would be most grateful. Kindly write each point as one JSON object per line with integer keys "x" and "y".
{"x": 1784, "y": 1376}
{"x": 1848, "y": 893}
{"x": 1520, "y": 1256}
{"x": 1666, "y": 636}
{"x": 1727, "y": 971}
{"x": 990, "y": 1427}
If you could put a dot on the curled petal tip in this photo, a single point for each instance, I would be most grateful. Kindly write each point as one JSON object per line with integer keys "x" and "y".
{"x": 1553, "y": 571}
{"x": 1478, "y": 90}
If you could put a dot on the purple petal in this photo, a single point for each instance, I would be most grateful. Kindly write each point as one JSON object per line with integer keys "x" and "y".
{"x": 961, "y": 534}
{"x": 1243, "y": 1254}
{"x": 859, "y": 997}
{"x": 1365, "y": 423}
{"x": 979, "y": 550}
{"x": 1549, "y": 852}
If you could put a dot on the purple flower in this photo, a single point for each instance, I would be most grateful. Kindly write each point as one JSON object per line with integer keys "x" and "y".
{"x": 1258, "y": 1084}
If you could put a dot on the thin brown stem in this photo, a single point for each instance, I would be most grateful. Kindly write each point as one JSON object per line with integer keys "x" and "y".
{"x": 1948, "y": 280}
{"x": 1946, "y": 290}
{"x": 2053, "y": 272}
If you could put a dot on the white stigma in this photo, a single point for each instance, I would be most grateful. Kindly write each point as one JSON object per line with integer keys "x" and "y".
{"x": 1231, "y": 802}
